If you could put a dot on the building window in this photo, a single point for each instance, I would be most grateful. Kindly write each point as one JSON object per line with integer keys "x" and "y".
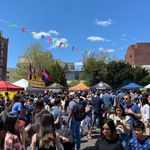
{"x": 2, "y": 45}
{"x": 76, "y": 76}
{"x": 130, "y": 56}
{"x": 72, "y": 67}
{"x": 1, "y": 53}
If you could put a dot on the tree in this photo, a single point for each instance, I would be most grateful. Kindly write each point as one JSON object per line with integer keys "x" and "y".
{"x": 94, "y": 71}
{"x": 115, "y": 73}
{"x": 37, "y": 57}
{"x": 40, "y": 59}
{"x": 141, "y": 75}
{"x": 119, "y": 73}
{"x": 73, "y": 83}
{"x": 57, "y": 73}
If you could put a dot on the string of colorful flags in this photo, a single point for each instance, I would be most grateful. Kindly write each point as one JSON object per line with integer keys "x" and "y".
{"x": 86, "y": 53}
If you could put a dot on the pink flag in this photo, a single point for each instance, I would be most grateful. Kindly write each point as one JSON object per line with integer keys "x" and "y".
{"x": 77, "y": 49}
{"x": 23, "y": 29}
{"x": 49, "y": 39}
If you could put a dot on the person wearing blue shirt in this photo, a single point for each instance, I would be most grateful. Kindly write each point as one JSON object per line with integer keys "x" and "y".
{"x": 120, "y": 96}
{"x": 17, "y": 107}
{"x": 140, "y": 142}
{"x": 132, "y": 110}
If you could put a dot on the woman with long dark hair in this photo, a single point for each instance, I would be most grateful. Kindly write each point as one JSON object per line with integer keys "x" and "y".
{"x": 45, "y": 138}
{"x": 122, "y": 122}
{"x": 13, "y": 139}
{"x": 109, "y": 139}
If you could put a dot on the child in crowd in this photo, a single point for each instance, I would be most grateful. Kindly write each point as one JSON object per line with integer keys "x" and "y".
{"x": 140, "y": 142}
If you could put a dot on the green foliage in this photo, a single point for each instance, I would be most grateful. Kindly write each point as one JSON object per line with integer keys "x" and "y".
{"x": 40, "y": 59}
{"x": 119, "y": 73}
{"x": 22, "y": 71}
{"x": 94, "y": 71}
{"x": 57, "y": 73}
{"x": 73, "y": 83}
{"x": 114, "y": 73}
{"x": 141, "y": 75}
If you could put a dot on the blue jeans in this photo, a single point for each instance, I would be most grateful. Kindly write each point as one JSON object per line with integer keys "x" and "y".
{"x": 75, "y": 128}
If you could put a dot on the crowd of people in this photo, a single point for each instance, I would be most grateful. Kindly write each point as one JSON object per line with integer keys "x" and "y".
{"x": 56, "y": 121}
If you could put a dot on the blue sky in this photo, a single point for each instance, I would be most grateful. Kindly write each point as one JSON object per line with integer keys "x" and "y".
{"x": 91, "y": 25}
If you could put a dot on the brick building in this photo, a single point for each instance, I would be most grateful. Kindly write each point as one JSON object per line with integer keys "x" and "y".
{"x": 3, "y": 57}
{"x": 138, "y": 54}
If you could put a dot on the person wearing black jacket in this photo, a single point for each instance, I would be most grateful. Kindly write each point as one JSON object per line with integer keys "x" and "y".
{"x": 109, "y": 139}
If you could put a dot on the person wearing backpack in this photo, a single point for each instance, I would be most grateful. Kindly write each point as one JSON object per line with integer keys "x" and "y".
{"x": 73, "y": 122}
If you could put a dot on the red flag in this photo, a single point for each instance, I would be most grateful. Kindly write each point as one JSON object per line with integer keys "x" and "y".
{"x": 45, "y": 76}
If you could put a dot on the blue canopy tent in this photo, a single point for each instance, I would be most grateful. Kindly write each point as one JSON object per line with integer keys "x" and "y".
{"x": 132, "y": 86}
{"x": 101, "y": 86}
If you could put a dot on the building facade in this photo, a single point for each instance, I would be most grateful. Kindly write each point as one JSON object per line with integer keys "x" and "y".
{"x": 10, "y": 76}
{"x": 138, "y": 54}
{"x": 3, "y": 57}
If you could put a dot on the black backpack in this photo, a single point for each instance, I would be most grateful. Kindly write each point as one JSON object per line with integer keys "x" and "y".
{"x": 80, "y": 113}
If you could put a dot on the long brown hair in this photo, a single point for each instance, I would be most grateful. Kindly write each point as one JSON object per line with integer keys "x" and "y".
{"x": 47, "y": 131}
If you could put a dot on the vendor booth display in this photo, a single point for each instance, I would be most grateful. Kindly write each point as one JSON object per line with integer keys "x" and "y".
{"x": 10, "y": 88}
{"x": 55, "y": 86}
{"x": 22, "y": 83}
{"x": 132, "y": 86}
{"x": 101, "y": 86}
{"x": 79, "y": 87}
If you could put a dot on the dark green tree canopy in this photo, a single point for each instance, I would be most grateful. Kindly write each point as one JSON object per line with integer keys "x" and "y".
{"x": 115, "y": 73}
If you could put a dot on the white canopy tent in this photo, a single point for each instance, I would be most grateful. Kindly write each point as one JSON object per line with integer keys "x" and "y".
{"x": 147, "y": 86}
{"x": 22, "y": 83}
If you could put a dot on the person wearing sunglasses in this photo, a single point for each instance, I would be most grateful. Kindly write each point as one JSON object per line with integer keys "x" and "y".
{"x": 132, "y": 110}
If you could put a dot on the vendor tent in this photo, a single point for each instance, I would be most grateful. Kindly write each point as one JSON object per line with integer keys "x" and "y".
{"x": 101, "y": 86}
{"x": 22, "y": 83}
{"x": 132, "y": 86}
{"x": 79, "y": 87}
{"x": 5, "y": 86}
{"x": 147, "y": 86}
{"x": 55, "y": 86}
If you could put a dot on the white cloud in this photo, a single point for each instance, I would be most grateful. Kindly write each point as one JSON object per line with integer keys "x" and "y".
{"x": 54, "y": 32}
{"x": 110, "y": 50}
{"x": 106, "y": 50}
{"x": 104, "y": 23}
{"x": 95, "y": 38}
{"x": 39, "y": 34}
{"x": 101, "y": 49}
